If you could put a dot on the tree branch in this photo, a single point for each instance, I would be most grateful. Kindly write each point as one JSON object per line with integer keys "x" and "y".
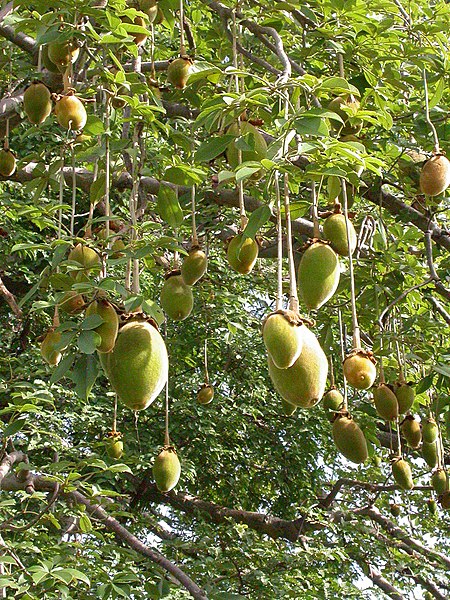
{"x": 23, "y": 41}
{"x": 10, "y": 299}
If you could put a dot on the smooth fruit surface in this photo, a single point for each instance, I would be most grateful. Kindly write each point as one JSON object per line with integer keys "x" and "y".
{"x": 359, "y": 371}
{"x": 402, "y": 474}
{"x": 335, "y": 231}
{"x": 242, "y": 259}
{"x": 205, "y": 394}
{"x": 439, "y": 481}
{"x": 435, "y": 175}
{"x": 429, "y": 431}
{"x": 7, "y": 163}
{"x": 405, "y": 397}
{"x": 49, "y": 353}
{"x": 86, "y": 257}
{"x": 107, "y": 330}
{"x": 283, "y": 340}
{"x": 194, "y": 266}
{"x": 166, "y": 470}
{"x": 318, "y": 275}
{"x": 114, "y": 447}
{"x": 411, "y": 431}
{"x": 70, "y": 113}
{"x": 62, "y": 53}
{"x": 430, "y": 453}
{"x": 176, "y": 298}
{"x": 350, "y": 440}
{"x": 178, "y": 72}
{"x": 333, "y": 400}
{"x": 37, "y": 103}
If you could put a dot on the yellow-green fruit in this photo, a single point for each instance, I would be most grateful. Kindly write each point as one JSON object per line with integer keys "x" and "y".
{"x": 283, "y": 340}
{"x": 411, "y": 431}
{"x": 48, "y": 64}
{"x": 439, "y": 481}
{"x": 138, "y": 366}
{"x": 7, "y": 163}
{"x": 37, "y": 103}
{"x": 335, "y": 231}
{"x": 176, "y": 298}
{"x": 256, "y": 141}
{"x": 114, "y": 447}
{"x": 432, "y": 506}
{"x": 49, "y": 353}
{"x": 109, "y": 328}
{"x": 205, "y": 394}
{"x": 395, "y": 510}
{"x": 430, "y": 453}
{"x": 70, "y": 113}
{"x": 405, "y": 397}
{"x": 166, "y": 470}
{"x": 349, "y": 439}
{"x": 445, "y": 500}
{"x": 318, "y": 275}
{"x": 303, "y": 384}
{"x": 63, "y": 53}
{"x": 194, "y": 266}
{"x": 435, "y": 175}
{"x": 139, "y": 38}
{"x": 86, "y": 257}
{"x": 429, "y": 431}
{"x": 336, "y": 106}
{"x": 359, "y": 371}
{"x": 71, "y": 303}
{"x": 288, "y": 408}
{"x": 333, "y": 400}
{"x": 402, "y": 474}
{"x": 178, "y": 72}
{"x": 150, "y": 8}
{"x": 385, "y": 402}
{"x": 242, "y": 259}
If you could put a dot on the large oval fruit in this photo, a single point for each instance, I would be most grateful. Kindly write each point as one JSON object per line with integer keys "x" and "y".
{"x": 318, "y": 275}
{"x": 359, "y": 370}
{"x": 430, "y": 431}
{"x": 430, "y": 454}
{"x": 109, "y": 328}
{"x": 385, "y": 402}
{"x": 435, "y": 175}
{"x": 302, "y": 384}
{"x": 242, "y": 259}
{"x": 166, "y": 469}
{"x": 138, "y": 366}
{"x": 282, "y": 338}
{"x": 349, "y": 439}
{"x": 49, "y": 352}
{"x": 439, "y": 481}
{"x": 335, "y": 231}
{"x": 205, "y": 394}
{"x": 87, "y": 259}
{"x": 37, "y": 103}
{"x": 70, "y": 113}
{"x": 178, "y": 72}
{"x": 351, "y": 125}
{"x": 7, "y": 163}
{"x": 176, "y": 298}
{"x": 256, "y": 142}
{"x": 63, "y": 53}
{"x": 405, "y": 397}
{"x": 402, "y": 474}
{"x": 194, "y": 266}
{"x": 411, "y": 431}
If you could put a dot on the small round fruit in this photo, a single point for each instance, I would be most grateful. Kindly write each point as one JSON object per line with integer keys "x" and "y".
{"x": 86, "y": 257}
{"x": 166, "y": 469}
{"x": 282, "y": 338}
{"x": 194, "y": 266}
{"x": 444, "y": 500}
{"x": 257, "y": 142}
{"x": 205, "y": 394}
{"x": 405, "y": 397}
{"x": 359, "y": 370}
{"x": 178, "y": 72}
{"x": 435, "y": 175}
{"x": 242, "y": 255}
{"x": 139, "y": 38}
{"x": 72, "y": 303}
{"x": 114, "y": 446}
{"x": 150, "y": 8}
{"x": 37, "y": 102}
{"x": 107, "y": 330}
{"x": 176, "y": 298}
{"x": 49, "y": 352}
{"x": 333, "y": 401}
{"x": 48, "y": 64}
{"x": 411, "y": 430}
{"x": 7, "y": 163}
{"x": 439, "y": 481}
{"x": 432, "y": 506}
{"x": 70, "y": 113}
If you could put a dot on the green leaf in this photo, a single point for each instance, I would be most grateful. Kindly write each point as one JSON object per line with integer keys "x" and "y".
{"x": 212, "y": 148}
{"x": 88, "y": 341}
{"x": 65, "y": 364}
{"x": 84, "y": 375}
{"x": 424, "y": 384}
{"x": 97, "y": 190}
{"x": 184, "y": 175}
{"x": 168, "y": 207}
{"x": 85, "y": 523}
{"x": 14, "y": 427}
{"x": 258, "y": 218}
{"x": 337, "y": 85}
{"x": 120, "y": 468}
{"x": 91, "y": 322}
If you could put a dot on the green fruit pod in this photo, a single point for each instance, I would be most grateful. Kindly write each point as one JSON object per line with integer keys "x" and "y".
{"x": 194, "y": 266}
{"x": 205, "y": 394}
{"x": 72, "y": 303}
{"x": 7, "y": 163}
{"x": 176, "y": 298}
{"x": 287, "y": 408}
{"x": 346, "y": 128}
{"x": 138, "y": 366}
{"x": 318, "y": 275}
{"x": 107, "y": 330}
{"x": 282, "y": 335}
{"x": 359, "y": 369}
{"x": 411, "y": 431}
{"x": 37, "y": 102}
{"x": 430, "y": 454}
{"x": 166, "y": 469}
{"x": 405, "y": 397}
{"x": 114, "y": 446}
{"x": 49, "y": 352}
{"x": 432, "y": 506}
{"x": 335, "y": 231}
{"x": 385, "y": 402}
{"x": 242, "y": 255}
{"x": 178, "y": 72}
{"x": 349, "y": 439}
{"x": 333, "y": 400}
{"x": 70, "y": 112}
{"x": 62, "y": 54}
{"x": 439, "y": 481}
{"x": 430, "y": 431}
{"x": 402, "y": 474}
{"x": 48, "y": 64}
{"x": 257, "y": 143}
{"x": 86, "y": 259}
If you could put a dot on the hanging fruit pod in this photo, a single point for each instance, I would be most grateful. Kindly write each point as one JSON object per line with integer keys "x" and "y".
{"x": 62, "y": 54}
{"x": 350, "y": 126}
{"x": 7, "y": 162}
{"x": 402, "y": 473}
{"x": 444, "y": 500}
{"x": 282, "y": 334}
{"x": 359, "y": 369}
{"x": 194, "y": 265}
{"x": 349, "y": 438}
{"x": 439, "y": 481}
{"x": 37, "y": 102}
{"x": 70, "y": 112}
{"x": 332, "y": 402}
{"x": 86, "y": 258}
{"x": 432, "y": 506}
{"x": 71, "y": 303}
{"x": 50, "y": 351}
{"x": 335, "y": 231}
{"x": 178, "y": 71}
{"x": 405, "y": 396}
{"x": 107, "y": 330}
{"x": 385, "y": 402}
{"x": 150, "y": 8}
{"x": 302, "y": 384}
{"x": 205, "y": 394}
{"x": 114, "y": 445}
{"x": 176, "y": 297}
{"x": 429, "y": 430}
{"x": 166, "y": 469}
{"x": 411, "y": 431}
{"x": 242, "y": 253}
{"x": 48, "y": 64}
{"x": 318, "y": 274}
{"x": 430, "y": 453}
{"x": 395, "y": 509}
{"x": 138, "y": 366}
{"x": 435, "y": 175}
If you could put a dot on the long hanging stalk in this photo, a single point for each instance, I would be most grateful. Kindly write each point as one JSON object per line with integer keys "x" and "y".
{"x": 74, "y": 192}
{"x": 166, "y": 401}
{"x": 107, "y": 166}
{"x": 293, "y": 297}
{"x": 194, "y": 225}
{"x": 355, "y": 325}
{"x": 182, "y": 45}
{"x": 342, "y": 347}
{"x": 315, "y": 216}
{"x": 377, "y": 313}
{"x": 279, "y": 297}
{"x": 206, "y": 360}
{"x": 133, "y": 206}
{"x": 114, "y": 427}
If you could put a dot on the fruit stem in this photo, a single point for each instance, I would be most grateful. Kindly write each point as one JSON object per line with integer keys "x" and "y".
{"x": 355, "y": 326}
{"x": 279, "y": 298}
{"x": 114, "y": 427}
{"x": 340, "y": 60}
{"x": 436, "y": 149}
{"x": 56, "y": 317}
{"x": 182, "y": 46}
{"x": 194, "y": 226}
{"x": 401, "y": 373}
{"x": 107, "y": 167}
{"x": 293, "y": 298}
{"x": 330, "y": 361}
{"x": 74, "y": 192}
{"x": 206, "y": 361}
{"x": 399, "y": 442}
{"x": 316, "y": 230}
{"x": 342, "y": 345}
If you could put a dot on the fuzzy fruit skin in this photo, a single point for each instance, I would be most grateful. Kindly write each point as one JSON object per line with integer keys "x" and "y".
{"x": 62, "y": 54}
{"x": 7, "y": 163}
{"x": 430, "y": 454}
{"x": 318, "y": 275}
{"x": 178, "y": 72}
{"x": 304, "y": 383}
{"x": 37, "y": 103}
{"x": 359, "y": 371}
{"x": 405, "y": 397}
{"x": 439, "y": 481}
{"x": 402, "y": 474}
{"x": 287, "y": 408}
{"x": 435, "y": 175}
{"x": 109, "y": 328}
{"x": 283, "y": 340}
{"x": 350, "y": 440}
{"x": 242, "y": 260}
{"x": 48, "y": 351}
{"x": 411, "y": 431}
{"x": 48, "y": 64}
{"x": 71, "y": 303}
{"x": 429, "y": 431}
{"x": 205, "y": 394}
{"x": 176, "y": 298}
{"x": 335, "y": 231}
{"x": 445, "y": 500}
{"x": 114, "y": 448}
{"x": 332, "y": 402}
{"x": 385, "y": 402}
{"x": 138, "y": 366}
{"x": 347, "y": 128}
{"x": 395, "y": 510}
{"x": 257, "y": 154}
{"x": 166, "y": 470}
{"x": 194, "y": 266}
{"x": 70, "y": 113}
{"x": 86, "y": 257}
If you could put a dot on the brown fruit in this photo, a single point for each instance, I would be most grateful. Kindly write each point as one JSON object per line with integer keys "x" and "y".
{"x": 62, "y": 54}
{"x": 445, "y": 500}
{"x": 7, "y": 163}
{"x": 430, "y": 431}
{"x": 385, "y": 402}
{"x": 402, "y": 474}
{"x": 194, "y": 266}
{"x": 430, "y": 453}
{"x": 282, "y": 337}
{"x": 71, "y": 303}
{"x": 359, "y": 370}
{"x": 349, "y": 439}
{"x": 70, "y": 112}
{"x": 318, "y": 275}
{"x": 405, "y": 397}
{"x": 435, "y": 175}
{"x": 178, "y": 72}
{"x": 139, "y": 38}
{"x": 242, "y": 255}
{"x": 351, "y": 125}
{"x": 166, "y": 469}
{"x": 109, "y": 328}
{"x": 439, "y": 481}
{"x": 205, "y": 394}
{"x": 411, "y": 431}
{"x": 37, "y": 103}
{"x": 176, "y": 298}
{"x": 335, "y": 231}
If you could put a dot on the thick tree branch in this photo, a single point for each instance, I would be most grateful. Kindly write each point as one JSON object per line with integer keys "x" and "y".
{"x": 23, "y": 41}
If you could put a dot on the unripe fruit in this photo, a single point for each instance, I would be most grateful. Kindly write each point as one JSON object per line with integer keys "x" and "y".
{"x": 445, "y": 500}
{"x": 385, "y": 402}
{"x": 242, "y": 260}
{"x": 178, "y": 72}
{"x": 7, "y": 163}
{"x": 349, "y": 439}
{"x": 439, "y": 481}
{"x": 71, "y": 303}
{"x": 318, "y": 275}
{"x": 435, "y": 175}
{"x": 70, "y": 113}
{"x": 150, "y": 8}
{"x": 256, "y": 140}
{"x": 411, "y": 431}
{"x": 430, "y": 431}
{"x": 283, "y": 338}
{"x": 347, "y": 128}
{"x": 432, "y": 506}
{"x": 166, "y": 469}
{"x": 62, "y": 54}
{"x": 402, "y": 474}
{"x": 288, "y": 408}
{"x": 138, "y": 366}
{"x": 395, "y": 509}
{"x": 335, "y": 231}
{"x": 332, "y": 402}
{"x": 109, "y": 328}
{"x": 194, "y": 266}
{"x": 87, "y": 259}
{"x": 205, "y": 394}
{"x": 48, "y": 64}
{"x": 430, "y": 454}
{"x": 114, "y": 446}
{"x": 405, "y": 397}
{"x": 176, "y": 298}
{"x": 37, "y": 103}
{"x": 359, "y": 370}
{"x": 49, "y": 353}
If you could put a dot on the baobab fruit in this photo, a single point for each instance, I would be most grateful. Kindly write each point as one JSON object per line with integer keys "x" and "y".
{"x": 435, "y": 175}
{"x": 402, "y": 474}
{"x": 430, "y": 430}
{"x": 150, "y": 8}
{"x": 432, "y": 506}
{"x": 63, "y": 53}
{"x": 282, "y": 335}
{"x": 444, "y": 500}
{"x": 7, "y": 162}
{"x": 109, "y": 328}
{"x": 302, "y": 384}
{"x": 318, "y": 274}
{"x": 439, "y": 481}
{"x": 176, "y": 298}
{"x": 333, "y": 401}
{"x": 114, "y": 445}
{"x": 70, "y": 112}
{"x": 86, "y": 257}
{"x": 50, "y": 350}
{"x": 138, "y": 365}
{"x": 395, "y": 509}
{"x": 335, "y": 231}
{"x": 194, "y": 266}
{"x": 385, "y": 402}
{"x": 405, "y": 397}
{"x": 178, "y": 72}
{"x": 430, "y": 453}
{"x": 257, "y": 143}
{"x": 72, "y": 303}
{"x": 359, "y": 369}
{"x": 347, "y": 128}
{"x": 287, "y": 408}
{"x": 349, "y": 439}
{"x": 242, "y": 255}
{"x": 37, "y": 102}
{"x": 205, "y": 394}
{"x": 411, "y": 431}
{"x": 166, "y": 469}
{"x": 48, "y": 64}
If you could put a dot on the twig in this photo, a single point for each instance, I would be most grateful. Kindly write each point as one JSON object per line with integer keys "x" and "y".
{"x": 10, "y": 299}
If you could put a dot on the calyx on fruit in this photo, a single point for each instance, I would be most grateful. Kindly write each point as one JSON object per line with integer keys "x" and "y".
{"x": 70, "y": 112}
{"x": 178, "y": 71}
{"x": 439, "y": 481}
{"x": 176, "y": 297}
{"x": 205, "y": 394}
{"x": 71, "y": 303}
{"x": 402, "y": 473}
{"x": 349, "y": 438}
{"x": 166, "y": 469}
{"x": 411, "y": 431}
{"x": 7, "y": 162}
{"x": 429, "y": 430}
{"x": 63, "y": 53}
{"x": 107, "y": 330}
{"x": 405, "y": 396}
{"x": 430, "y": 453}
{"x": 287, "y": 408}
{"x": 385, "y": 402}
{"x": 138, "y": 365}
{"x": 86, "y": 257}
{"x": 282, "y": 335}
{"x": 194, "y": 265}
{"x": 435, "y": 175}
{"x": 351, "y": 125}
{"x": 335, "y": 231}
{"x": 257, "y": 143}
{"x": 49, "y": 351}
{"x": 302, "y": 384}
{"x": 242, "y": 255}
{"x": 318, "y": 274}
{"x": 359, "y": 369}
{"x": 114, "y": 445}
{"x": 37, "y": 102}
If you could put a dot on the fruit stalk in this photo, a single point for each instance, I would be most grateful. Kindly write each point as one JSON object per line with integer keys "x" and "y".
{"x": 293, "y": 298}
{"x": 355, "y": 325}
{"x": 182, "y": 46}
{"x": 342, "y": 345}
{"x": 279, "y": 298}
